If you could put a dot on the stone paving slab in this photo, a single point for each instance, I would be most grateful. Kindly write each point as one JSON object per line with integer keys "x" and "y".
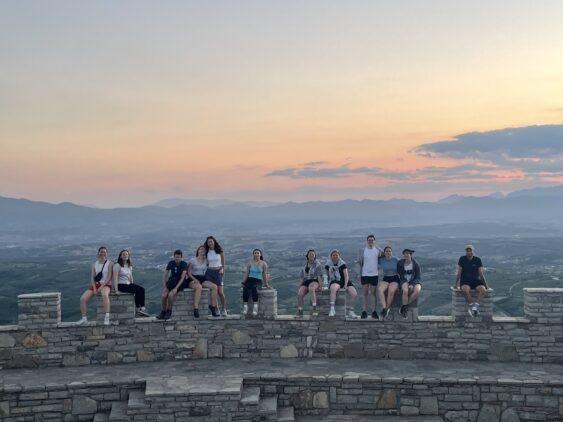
{"x": 209, "y": 370}
{"x": 196, "y": 384}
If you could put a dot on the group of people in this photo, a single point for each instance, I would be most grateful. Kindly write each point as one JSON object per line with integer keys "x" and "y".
{"x": 207, "y": 267}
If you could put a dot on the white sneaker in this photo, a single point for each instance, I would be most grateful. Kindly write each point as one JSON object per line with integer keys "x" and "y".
{"x": 255, "y": 310}
{"x": 224, "y": 312}
{"x": 470, "y": 310}
{"x": 352, "y": 315}
{"x": 332, "y": 312}
{"x": 245, "y": 309}
{"x": 475, "y": 309}
{"x": 82, "y": 321}
{"x": 106, "y": 319}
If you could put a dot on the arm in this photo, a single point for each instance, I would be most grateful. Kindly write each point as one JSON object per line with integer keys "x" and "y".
{"x": 245, "y": 272}
{"x": 346, "y": 277}
{"x": 265, "y": 274}
{"x": 482, "y": 276}
{"x": 417, "y": 272}
{"x": 131, "y": 276}
{"x": 182, "y": 278}
{"x": 401, "y": 272}
{"x": 320, "y": 275}
{"x": 165, "y": 276}
{"x": 222, "y": 269}
{"x": 110, "y": 273}
{"x": 115, "y": 276}
{"x": 457, "y": 277}
{"x": 92, "y": 281}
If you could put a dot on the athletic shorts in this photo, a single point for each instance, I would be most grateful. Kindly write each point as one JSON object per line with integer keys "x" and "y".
{"x": 170, "y": 284}
{"x": 200, "y": 278}
{"x": 341, "y": 283}
{"x": 473, "y": 284}
{"x": 391, "y": 278}
{"x": 98, "y": 285}
{"x": 214, "y": 276}
{"x": 369, "y": 279}
{"x": 307, "y": 282}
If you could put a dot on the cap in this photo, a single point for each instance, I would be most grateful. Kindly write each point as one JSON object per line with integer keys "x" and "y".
{"x": 470, "y": 247}
{"x": 411, "y": 251}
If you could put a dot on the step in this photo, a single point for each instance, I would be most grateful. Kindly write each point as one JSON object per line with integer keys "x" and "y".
{"x": 101, "y": 417}
{"x": 250, "y": 396}
{"x": 136, "y": 400}
{"x": 285, "y": 414}
{"x": 268, "y": 406}
{"x": 366, "y": 418}
{"x": 118, "y": 412}
{"x": 193, "y": 386}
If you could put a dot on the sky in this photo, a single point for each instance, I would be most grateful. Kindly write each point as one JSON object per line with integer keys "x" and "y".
{"x": 125, "y": 103}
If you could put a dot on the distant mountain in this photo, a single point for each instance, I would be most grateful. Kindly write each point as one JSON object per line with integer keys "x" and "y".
{"x": 539, "y": 208}
{"x": 174, "y": 202}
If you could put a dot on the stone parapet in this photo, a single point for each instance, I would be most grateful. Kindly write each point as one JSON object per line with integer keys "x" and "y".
{"x": 122, "y": 308}
{"x": 184, "y": 306}
{"x": 323, "y": 303}
{"x": 39, "y": 310}
{"x": 267, "y": 304}
{"x": 544, "y": 306}
{"x": 459, "y": 305}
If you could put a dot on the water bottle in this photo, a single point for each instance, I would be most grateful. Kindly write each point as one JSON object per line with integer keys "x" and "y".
{"x": 325, "y": 282}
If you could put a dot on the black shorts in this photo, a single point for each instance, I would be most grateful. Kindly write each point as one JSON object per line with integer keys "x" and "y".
{"x": 307, "y": 282}
{"x": 200, "y": 278}
{"x": 473, "y": 284}
{"x": 341, "y": 283}
{"x": 170, "y": 284}
{"x": 391, "y": 278}
{"x": 369, "y": 279}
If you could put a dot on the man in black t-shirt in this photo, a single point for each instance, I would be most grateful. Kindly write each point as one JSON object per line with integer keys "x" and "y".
{"x": 173, "y": 281}
{"x": 470, "y": 276}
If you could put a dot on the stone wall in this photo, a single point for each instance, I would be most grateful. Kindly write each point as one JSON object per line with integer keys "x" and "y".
{"x": 40, "y": 339}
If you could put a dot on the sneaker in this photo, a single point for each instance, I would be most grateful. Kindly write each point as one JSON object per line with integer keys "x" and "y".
{"x": 255, "y": 310}
{"x": 245, "y": 309}
{"x": 224, "y": 312}
{"x": 213, "y": 310}
{"x": 475, "y": 309}
{"x": 161, "y": 315}
{"x": 141, "y": 312}
{"x": 315, "y": 312}
{"x": 299, "y": 313}
{"x": 106, "y": 319}
{"x": 374, "y": 315}
{"x": 470, "y": 310}
{"x": 404, "y": 310}
{"x": 385, "y": 313}
{"x": 168, "y": 314}
{"x": 196, "y": 313}
{"x": 332, "y": 312}
{"x": 364, "y": 315}
{"x": 82, "y": 321}
{"x": 352, "y": 315}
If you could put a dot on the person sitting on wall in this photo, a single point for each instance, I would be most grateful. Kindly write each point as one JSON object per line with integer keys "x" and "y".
{"x": 123, "y": 282}
{"x": 470, "y": 274}
{"x": 255, "y": 273}
{"x": 310, "y": 281}
{"x": 390, "y": 282}
{"x": 338, "y": 278}
{"x": 197, "y": 267}
{"x": 410, "y": 278}
{"x": 100, "y": 280}
{"x": 173, "y": 282}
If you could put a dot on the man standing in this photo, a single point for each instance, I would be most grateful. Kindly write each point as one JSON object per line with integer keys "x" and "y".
{"x": 369, "y": 276}
{"x": 470, "y": 274}
{"x": 172, "y": 281}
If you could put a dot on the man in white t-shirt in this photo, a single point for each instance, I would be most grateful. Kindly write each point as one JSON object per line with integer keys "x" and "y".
{"x": 369, "y": 276}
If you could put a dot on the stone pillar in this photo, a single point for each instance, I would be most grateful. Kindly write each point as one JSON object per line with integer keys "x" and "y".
{"x": 184, "y": 306}
{"x": 121, "y": 308}
{"x": 267, "y": 304}
{"x": 38, "y": 310}
{"x": 544, "y": 305}
{"x": 459, "y": 305}
{"x": 323, "y": 303}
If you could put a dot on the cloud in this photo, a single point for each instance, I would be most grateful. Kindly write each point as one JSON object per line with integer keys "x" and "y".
{"x": 314, "y": 170}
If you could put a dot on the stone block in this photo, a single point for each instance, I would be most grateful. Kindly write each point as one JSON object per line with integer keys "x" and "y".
{"x": 82, "y": 405}
{"x": 6, "y": 340}
{"x": 489, "y": 413}
{"x": 289, "y": 351}
{"x": 320, "y": 400}
{"x": 39, "y": 310}
{"x": 241, "y": 338}
{"x": 33, "y": 341}
{"x": 4, "y": 408}
{"x": 428, "y": 405}
{"x": 509, "y": 415}
{"x": 387, "y": 399}
{"x": 200, "y": 349}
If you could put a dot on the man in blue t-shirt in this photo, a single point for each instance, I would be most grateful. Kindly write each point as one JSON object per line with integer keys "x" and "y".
{"x": 173, "y": 281}
{"x": 470, "y": 276}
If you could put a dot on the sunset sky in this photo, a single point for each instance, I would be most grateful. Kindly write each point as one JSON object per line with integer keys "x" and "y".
{"x": 124, "y": 103}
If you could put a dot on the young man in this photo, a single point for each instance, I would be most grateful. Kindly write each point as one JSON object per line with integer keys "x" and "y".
{"x": 369, "y": 276}
{"x": 409, "y": 277}
{"x": 470, "y": 274}
{"x": 172, "y": 281}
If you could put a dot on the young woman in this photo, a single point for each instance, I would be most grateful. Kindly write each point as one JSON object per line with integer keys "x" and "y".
{"x": 338, "y": 277}
{"x": 123, "y": 281}
{"x": 100, "y": 280}
{"x": 310, "y": 280}
{"x": 390, "y": 282}
{"x": 197, "y": 267}
{"x": 410, "y": 277}
{"x": 255, "y": 272}
{"x": 215, "y": 268}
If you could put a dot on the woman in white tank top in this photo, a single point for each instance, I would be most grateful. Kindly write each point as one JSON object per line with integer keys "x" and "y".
{"x": 216, "y": 268}
{"x": 100, "y": 282}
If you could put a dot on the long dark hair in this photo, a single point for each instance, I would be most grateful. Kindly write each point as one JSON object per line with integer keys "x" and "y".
{"x": 261, "y": 256}
{"x": 120, "y": 260}
{"x": 216, "y": 247}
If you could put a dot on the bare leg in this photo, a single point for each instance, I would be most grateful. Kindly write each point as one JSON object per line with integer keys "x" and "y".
{"x": 105, "y": 298}
{"x": 353, "y": 294}
{"x": 480, "y": 293}
{"x": 301, "y": 292}
{"x": 221, "y": 294}
{"x": 334, "y": 287}
{"x": 212, "y": 292}
{"x": 164, "y": 299}
{"x": 84, "y": 302}
{"x": 171, "y": 299}
{"x": 405, "y": 289}
{"x": 373, "y": 292}
{"x": 197, "y": 293}
{"x": 391, "y": 293}
{"x": 467, "y": 291}
{"x": 313, "y": 290}
{"x": 382, "y": 286}
{"x": 366, "y": 296}
{"x": 415, "y": 293}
